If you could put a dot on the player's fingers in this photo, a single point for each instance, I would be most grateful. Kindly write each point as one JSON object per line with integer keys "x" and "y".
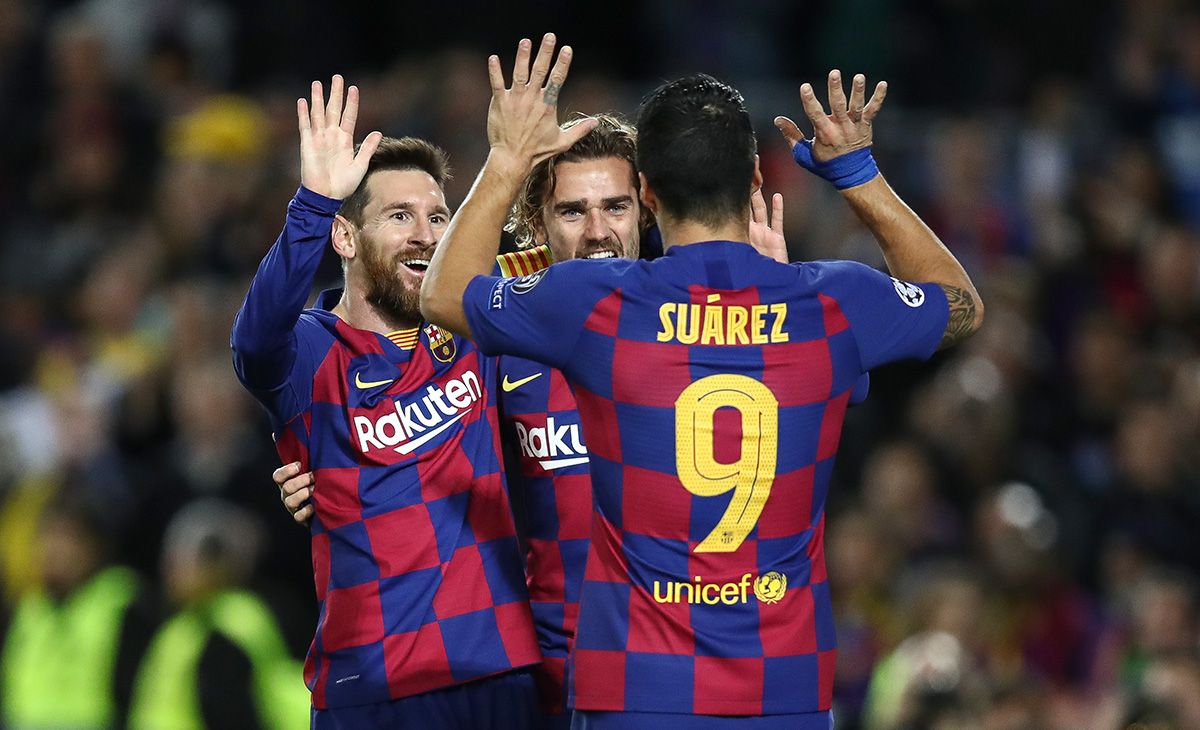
{"x": 837, "y": 95}
{"x": 542, "y": 63}
{"x": 858, "y": 89}
{"x": 758, "y": 207}
{"x": 367, "y": 149}
{"x": 570, "y": 136}
{"x": 303, "y": 120}
{"x": 876, "y": 103}
{"x": 316, "y": 110}
{"x": 295, "y": 500}
{"x": 558, "y": 76}
{"x": 333, "y": 110}
{"x": 495, "y": 74}
{"x": 789, "y": 130}
{"x": 814, "y": 111}
{"x": 296, "y": 483}
{"x": 520, "y": 74}
{"x": 285, "y": 472}
{"x": 777, "y": 213}
{"x": 350, "y": 115}
{"x": 303, "y": 515}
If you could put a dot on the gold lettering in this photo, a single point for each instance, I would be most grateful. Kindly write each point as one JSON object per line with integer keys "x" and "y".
{"x": 713, "y": 334}
{"x": 668, "y": 326}
{"x": 689, "y": 323}
{"x": 777, "y": 333}
{"x": 735, "y": 325}
{"x": 691, "y": 598}
{"x": 668, "y": 598}
{"x": 758, "y": 324}
{"x": 714, "y": 598}
{"x": 729, "y": 594}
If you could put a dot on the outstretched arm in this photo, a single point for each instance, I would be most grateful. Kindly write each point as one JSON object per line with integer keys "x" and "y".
{"x": 522, "y": 131}
{"x": 840, "y": 152}
{"x": 263, "y": 340}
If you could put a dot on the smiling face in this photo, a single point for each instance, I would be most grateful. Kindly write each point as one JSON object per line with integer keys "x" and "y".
{"x": 593, "y": 210}
{"x": 402, "y": 221}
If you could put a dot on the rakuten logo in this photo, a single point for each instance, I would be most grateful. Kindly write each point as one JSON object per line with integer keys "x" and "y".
{"x": 549, "y": 445}
{"x": 413, "y": 424}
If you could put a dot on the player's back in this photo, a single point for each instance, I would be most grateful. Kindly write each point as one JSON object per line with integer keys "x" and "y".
{"x": 711, "y": 384}
{"x": 713, "y": 431}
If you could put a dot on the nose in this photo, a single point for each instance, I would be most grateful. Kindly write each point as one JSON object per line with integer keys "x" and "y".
{"x": 423, "y": 234}
{"x": 595, "y": 229}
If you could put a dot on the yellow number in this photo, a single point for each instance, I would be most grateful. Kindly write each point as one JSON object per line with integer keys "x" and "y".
{"x": 751, "y": 476}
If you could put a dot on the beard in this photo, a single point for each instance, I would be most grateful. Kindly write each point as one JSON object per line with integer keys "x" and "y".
{"x": 388, "y": 292}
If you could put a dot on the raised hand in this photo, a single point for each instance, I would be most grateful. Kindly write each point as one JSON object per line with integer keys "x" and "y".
{"x": 848, "y": 125}
{"x": 328, "y": 164}
{"x": 523, "y": 118}
{"x": 766, "y": 234}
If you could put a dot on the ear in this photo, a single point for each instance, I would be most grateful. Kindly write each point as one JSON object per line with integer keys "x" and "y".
{"x": 538, "y": 227}
{"x": 343, "y": 237}
{"x": 649, "y": 197}
{"x": 757, "y": 181}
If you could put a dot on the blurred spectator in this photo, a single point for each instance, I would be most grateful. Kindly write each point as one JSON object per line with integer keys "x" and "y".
{"x": 74, "y": 643}
{"x": 221, "y": 661}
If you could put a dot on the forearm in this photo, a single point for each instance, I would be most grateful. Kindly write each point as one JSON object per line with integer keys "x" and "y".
{"x": 262, "y": 338}
{"x": 913, "y": 252}
{"x": 468, "y": 248}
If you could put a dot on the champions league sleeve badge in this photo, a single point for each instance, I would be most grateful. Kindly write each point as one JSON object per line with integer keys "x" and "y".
{"x": 441, "y": 343}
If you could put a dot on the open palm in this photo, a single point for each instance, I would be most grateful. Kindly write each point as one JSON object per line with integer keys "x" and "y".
{"x": 847, "y": 126}
{"x": 328, "y": 163}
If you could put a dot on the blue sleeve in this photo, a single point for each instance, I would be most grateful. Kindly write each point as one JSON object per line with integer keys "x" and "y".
{"x": 890, "y": 319}
{"x": 264, "y": 338}
{"x": 537, "y": 317}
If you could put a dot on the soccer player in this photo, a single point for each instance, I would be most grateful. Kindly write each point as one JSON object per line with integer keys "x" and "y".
{"x": 705, "y": 592}
{"x": 424, "y": 617}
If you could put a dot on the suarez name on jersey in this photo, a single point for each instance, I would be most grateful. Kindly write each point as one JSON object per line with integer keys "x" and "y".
{"x": 711, "y": 384}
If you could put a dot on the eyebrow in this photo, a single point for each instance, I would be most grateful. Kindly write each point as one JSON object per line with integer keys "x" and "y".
{"x": 582, "y": 202}
{"x": 408, "y": 205}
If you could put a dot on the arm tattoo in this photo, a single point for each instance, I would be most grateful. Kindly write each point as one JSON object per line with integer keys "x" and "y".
{"x": 551, "y": 94}
{"x": 961, "y": 324}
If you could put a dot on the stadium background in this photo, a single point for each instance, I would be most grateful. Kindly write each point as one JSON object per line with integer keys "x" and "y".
{"x": 1012, "y": 531}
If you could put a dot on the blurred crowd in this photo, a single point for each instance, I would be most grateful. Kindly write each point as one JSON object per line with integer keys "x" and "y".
{"x": 1012, "y": 530}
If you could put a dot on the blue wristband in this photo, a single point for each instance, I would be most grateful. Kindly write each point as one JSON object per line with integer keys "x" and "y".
{"x": 844, "y": 171}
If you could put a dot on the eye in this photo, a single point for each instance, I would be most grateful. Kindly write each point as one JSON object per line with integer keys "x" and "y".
{"x": 438, "y": 219}
{"x": 619, "y": 207}
{"x": 401, "y": 215}
{"x": 572, "y": 214}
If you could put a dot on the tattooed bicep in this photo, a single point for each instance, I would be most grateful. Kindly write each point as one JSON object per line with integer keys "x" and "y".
{"x": 961, "y": 324}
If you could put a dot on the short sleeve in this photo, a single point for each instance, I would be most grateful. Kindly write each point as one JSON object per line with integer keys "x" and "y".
{"x": 539, "y": 316}
{"x": 890, "y": 319}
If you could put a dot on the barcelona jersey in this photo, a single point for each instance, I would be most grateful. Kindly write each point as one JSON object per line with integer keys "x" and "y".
{"x": 552, "y": 489}
{"x": 711, "y": 384}
{"x": 415, "y": 558}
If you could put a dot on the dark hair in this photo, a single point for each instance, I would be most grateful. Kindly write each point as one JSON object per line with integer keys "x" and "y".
{"x": 696, "y": 148}
{"x": 612, "y": 137}
{"x": 405, "y": 153}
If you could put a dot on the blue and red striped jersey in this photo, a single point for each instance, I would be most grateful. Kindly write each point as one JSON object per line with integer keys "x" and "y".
{"x": 415, "y": 558}
{"x": 552, "y": 488}
{"x": 711, "y": 384}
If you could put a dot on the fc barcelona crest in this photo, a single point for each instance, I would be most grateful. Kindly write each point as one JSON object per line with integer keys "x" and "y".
{"x": 441, "y": 343}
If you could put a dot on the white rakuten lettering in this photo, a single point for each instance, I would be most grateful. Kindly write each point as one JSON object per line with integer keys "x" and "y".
{"x": 549, "y": 444}
{"x": 410, "y": 425}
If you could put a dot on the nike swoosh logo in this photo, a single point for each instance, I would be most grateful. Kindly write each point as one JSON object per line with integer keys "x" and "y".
{"x": 358, "y": 382}
{"x": 511, "y": 385}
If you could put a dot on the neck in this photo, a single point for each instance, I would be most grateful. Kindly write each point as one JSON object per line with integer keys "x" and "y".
{"x": 354, "y": 309}
{"x": 682, "y": 232}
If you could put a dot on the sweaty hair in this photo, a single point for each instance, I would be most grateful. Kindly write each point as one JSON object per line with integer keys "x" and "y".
{"x": 697, "y": 148}
{"x": 612, "y": 137}
{"x": 405, "y": 153}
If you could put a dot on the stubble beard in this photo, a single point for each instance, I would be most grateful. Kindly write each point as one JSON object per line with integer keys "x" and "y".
{"x": 387, "y": 291}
